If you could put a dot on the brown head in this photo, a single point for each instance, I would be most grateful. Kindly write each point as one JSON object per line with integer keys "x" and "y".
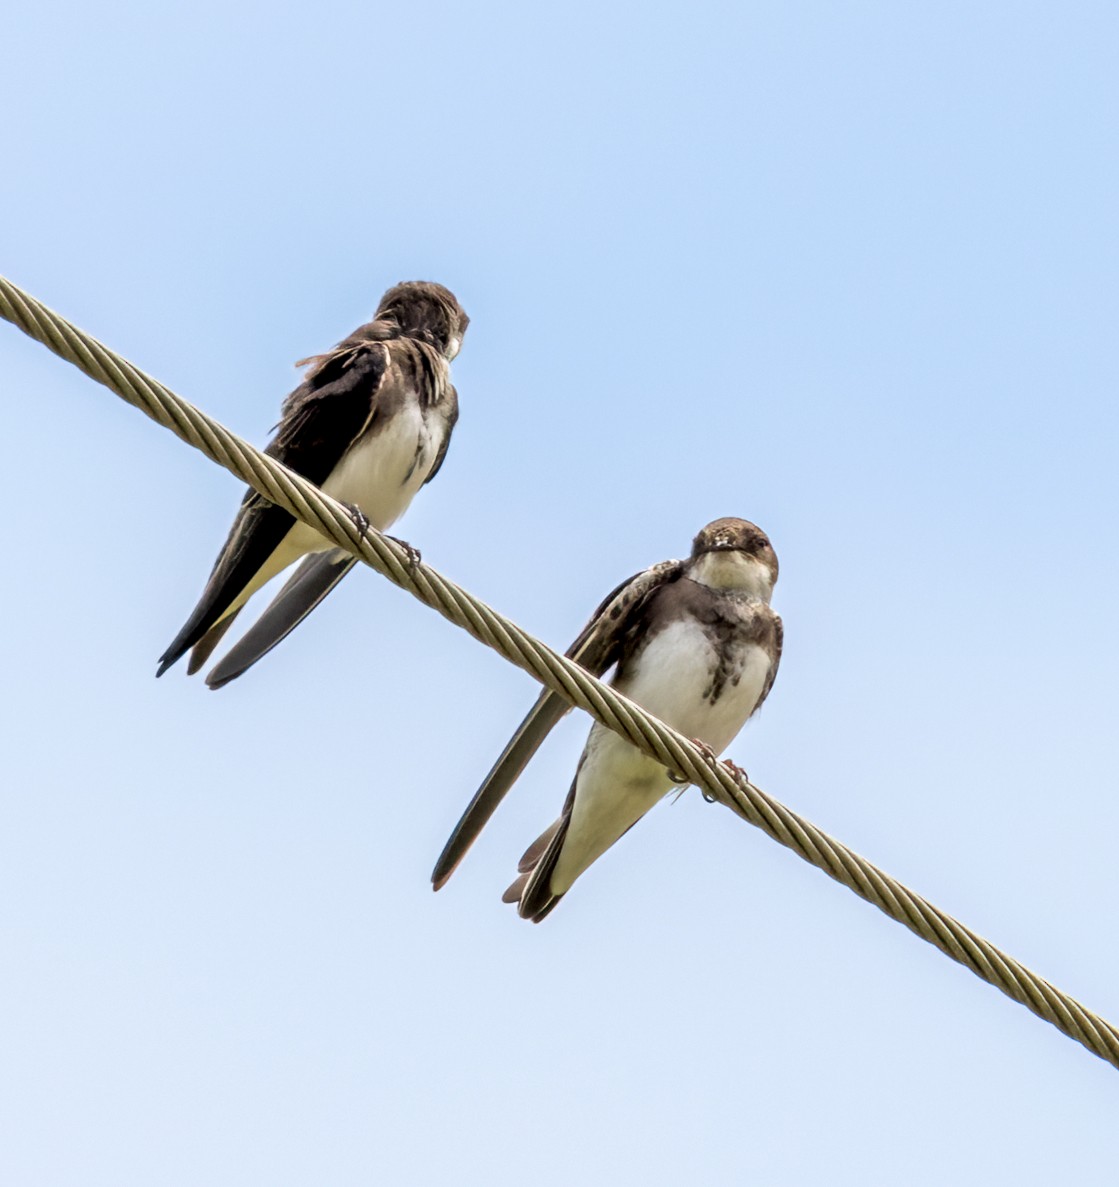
{"x": 424, "y": 310}
{"x": 735, "y": 554}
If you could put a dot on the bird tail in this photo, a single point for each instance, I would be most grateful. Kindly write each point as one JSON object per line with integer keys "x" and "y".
{"x": 204, "y": 648}
{"x": 532, "y": 890}
{"x": 549, "y": 709}
{"x": 303, "y": 591}
{"x": 252, "y": 555}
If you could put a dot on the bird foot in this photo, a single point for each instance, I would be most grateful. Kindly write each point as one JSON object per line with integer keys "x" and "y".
{"x": 712, "y": 758}
{"x": 738, "y": 773}
{"x": 708, "y": 754}
{"x": 361, "y": 520}
{"x": 415, "y": 558}
{"x": 705, "y": 750}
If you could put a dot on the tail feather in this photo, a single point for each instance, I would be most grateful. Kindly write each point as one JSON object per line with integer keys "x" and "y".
{"x": 536, "y": 850}
{"x": 257, "y": 532}
{"x": 548, "y": 710}
{"x": 532, "y": 891}
{"x": 204, "y": 648}
{"x": 513, "y": 893}
{"x": 304, "y": 590}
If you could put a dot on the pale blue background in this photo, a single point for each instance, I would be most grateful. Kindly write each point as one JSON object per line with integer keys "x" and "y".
{"x": 848, "y": 269}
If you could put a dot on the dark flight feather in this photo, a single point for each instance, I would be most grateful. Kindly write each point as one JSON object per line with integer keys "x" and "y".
{"x": 315, "y": 577}
{"x": 599, "y": 646}
{"x": 534, "y": 897}
{"x": 320, "y": 420}
{"x": 204, "y": 648}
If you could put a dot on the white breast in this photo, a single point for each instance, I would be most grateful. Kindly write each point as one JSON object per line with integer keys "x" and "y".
{"x": 382, "y": 473}
{"x": 617, "y": 784}
{"x": 675, "y": 670}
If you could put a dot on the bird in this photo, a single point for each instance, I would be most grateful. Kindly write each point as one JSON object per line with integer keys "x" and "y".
{"x": 370, "y": 424}
{"x": 696, "y": 643}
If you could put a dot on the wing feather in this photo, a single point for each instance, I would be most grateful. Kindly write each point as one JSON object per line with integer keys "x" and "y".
{"x": 320, "y": 420}
{"x": 598, "y": 647}
{"x": 315, "y": 577}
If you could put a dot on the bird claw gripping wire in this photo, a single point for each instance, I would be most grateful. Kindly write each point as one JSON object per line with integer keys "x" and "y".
{"x": 415, "y": 558}
{"x": 739, "y": 774}
{"x": 361, "y": 520}
{"x": 709, "y": 755}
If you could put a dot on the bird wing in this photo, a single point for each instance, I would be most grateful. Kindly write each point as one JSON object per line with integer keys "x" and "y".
{"x": 333, "y": 407}
{"x": 778, "y": 643}
{"x": 315, "y": 577}
{"x": 452, "y": 420}
{"x": 598, "y": 647}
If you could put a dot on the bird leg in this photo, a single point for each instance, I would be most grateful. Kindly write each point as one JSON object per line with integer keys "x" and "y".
{"x": 713, "y": 759}
{"x": 361, "y": 521}
{"x": 414, "y": 556}
{"x": 739, "y": 774}
{"x": 708, "y": 754}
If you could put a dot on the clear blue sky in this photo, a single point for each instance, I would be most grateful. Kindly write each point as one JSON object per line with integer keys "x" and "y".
{"x": 846, "y": 269}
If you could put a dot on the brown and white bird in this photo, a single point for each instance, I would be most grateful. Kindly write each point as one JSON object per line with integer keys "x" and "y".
{"x": 696, "y": 644}
{"x": 369, "y": 424}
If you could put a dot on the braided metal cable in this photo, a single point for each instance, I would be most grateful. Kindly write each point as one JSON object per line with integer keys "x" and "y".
{"x": 309, "y": 504}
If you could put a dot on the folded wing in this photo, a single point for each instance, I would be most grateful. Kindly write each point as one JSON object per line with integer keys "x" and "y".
{"x": 320, "y": 420}
{"x": 315, "y": 577}
{"x": 597, "y": 649}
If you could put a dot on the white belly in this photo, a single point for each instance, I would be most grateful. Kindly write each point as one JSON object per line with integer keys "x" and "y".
{"x": 675, "y": 670}
{"x": 617, "y": 784}
{"x": 381, "y": 475}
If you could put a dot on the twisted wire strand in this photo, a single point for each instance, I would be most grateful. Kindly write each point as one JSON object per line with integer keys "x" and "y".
{"x": 304, "y": 500}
